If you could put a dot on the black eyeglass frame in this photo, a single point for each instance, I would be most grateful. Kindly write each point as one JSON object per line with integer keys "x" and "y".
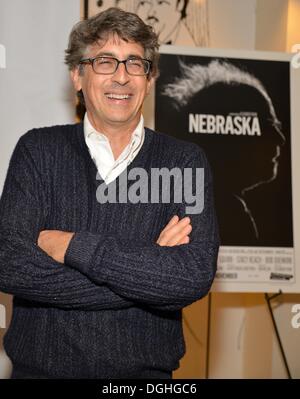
{"x": 92, "y": 60}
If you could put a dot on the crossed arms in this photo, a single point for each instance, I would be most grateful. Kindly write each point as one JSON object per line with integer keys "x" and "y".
{"x": 55, "y": 242}
{"x": 84, "y": 270}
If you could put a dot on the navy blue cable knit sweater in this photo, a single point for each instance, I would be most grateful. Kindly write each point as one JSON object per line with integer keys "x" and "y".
{"x": 113, "y": 310}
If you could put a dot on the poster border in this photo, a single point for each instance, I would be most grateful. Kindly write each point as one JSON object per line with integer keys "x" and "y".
{"x": 85, "y": 9}
{"x": 284, "y": 287}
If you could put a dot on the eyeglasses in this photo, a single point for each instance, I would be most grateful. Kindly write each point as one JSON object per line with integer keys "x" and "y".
{"x": 108, "y": 65}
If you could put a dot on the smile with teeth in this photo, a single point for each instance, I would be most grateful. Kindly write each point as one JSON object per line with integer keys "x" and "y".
{"x": 115, "y": 96}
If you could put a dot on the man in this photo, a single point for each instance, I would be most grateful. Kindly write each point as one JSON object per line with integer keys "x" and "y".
{"x": 99, "y": 287}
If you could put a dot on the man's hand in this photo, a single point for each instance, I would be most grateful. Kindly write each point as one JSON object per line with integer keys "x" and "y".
{"x": 176, "y": 232}
{"x": 55, "y": 243}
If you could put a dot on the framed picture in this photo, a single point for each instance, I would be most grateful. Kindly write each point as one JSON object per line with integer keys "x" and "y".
{"x": 237, "y": 105}
{"x": 183, "y": 22}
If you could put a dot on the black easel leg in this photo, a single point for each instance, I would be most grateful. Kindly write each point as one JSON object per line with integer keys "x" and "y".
{"x": 268, "y": 300}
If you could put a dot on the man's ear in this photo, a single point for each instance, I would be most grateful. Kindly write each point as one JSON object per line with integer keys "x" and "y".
{"x": 150, "y": 83}
{"x": 76, "y": 78}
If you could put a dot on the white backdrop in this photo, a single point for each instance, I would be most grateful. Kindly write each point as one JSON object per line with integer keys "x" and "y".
{"x": 34, "y": 86}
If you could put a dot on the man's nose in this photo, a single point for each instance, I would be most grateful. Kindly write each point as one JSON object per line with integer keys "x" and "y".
{"x": 121, "y": 75}
{"x": 150, "y": 8}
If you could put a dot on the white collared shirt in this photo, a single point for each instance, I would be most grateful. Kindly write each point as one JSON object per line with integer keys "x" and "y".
{"x": 101, "y": 152}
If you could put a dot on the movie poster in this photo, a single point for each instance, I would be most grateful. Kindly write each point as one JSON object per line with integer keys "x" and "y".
{"x": 238, "y": 110}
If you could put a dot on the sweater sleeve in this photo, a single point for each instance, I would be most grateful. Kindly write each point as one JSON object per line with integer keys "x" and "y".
{"x": 161, "y": 277}
{"x": 25, "y": 270}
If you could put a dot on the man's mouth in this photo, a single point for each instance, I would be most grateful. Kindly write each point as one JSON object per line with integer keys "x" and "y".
{"x": 115, "y": 96}
{"x": 152, "y": 19}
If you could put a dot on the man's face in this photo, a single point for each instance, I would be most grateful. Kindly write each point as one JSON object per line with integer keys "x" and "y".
{"x": 104, "y": 109}
{"x": 163, "y": 15}
{"x": 250, "y": 157}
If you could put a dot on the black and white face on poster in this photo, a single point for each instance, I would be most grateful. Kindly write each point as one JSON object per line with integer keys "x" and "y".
{"x": 238, "y": 110}
{"x": 180, "y": 22}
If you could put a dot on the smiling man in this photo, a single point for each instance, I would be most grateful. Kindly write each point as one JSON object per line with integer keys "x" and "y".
{"x": 114, "y": 91}
{"x": 99, "y": 287}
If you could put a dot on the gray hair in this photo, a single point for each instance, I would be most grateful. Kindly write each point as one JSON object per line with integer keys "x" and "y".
{"x": 198, "y": 77}
{"x": 113, "y": 21}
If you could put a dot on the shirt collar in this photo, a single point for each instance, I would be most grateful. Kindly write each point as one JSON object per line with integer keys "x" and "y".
{"x": 89, "y": 131}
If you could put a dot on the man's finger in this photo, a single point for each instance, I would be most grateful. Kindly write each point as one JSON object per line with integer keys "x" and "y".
{"x": 173, "y": 221}
{"x": 181, "y": 234}
{"x": 185, "y": 240}
{"x": 174, "y": 234}
{"x": 177, "y": 227}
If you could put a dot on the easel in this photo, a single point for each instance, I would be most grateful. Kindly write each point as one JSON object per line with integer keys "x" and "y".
{"x": 268, "y": 299}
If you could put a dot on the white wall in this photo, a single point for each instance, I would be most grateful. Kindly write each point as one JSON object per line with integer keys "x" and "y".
{"x": 293, "y": 35}
{"x": 271, "y": 24}
{"x": 232, "y": 23}
{"x": 34, "y": 87}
